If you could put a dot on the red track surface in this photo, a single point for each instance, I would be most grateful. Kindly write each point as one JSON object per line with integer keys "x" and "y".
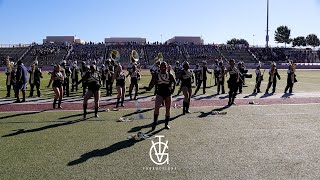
{"x": 150, "y": 104}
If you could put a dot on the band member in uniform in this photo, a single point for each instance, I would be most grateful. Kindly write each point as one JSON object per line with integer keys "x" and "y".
{"x": 233, "y": 82}
{"x": 66, "y": 82}
{"x": 10, "y": 73}
{"x": 74, "y": 76}
{"x": 109, "y": 71}
{"x": 120, "y": 78}
{"x": 291, "y": 77}
{"x": 259, "y": 79}
{"x": 186, "y": 77}
{"x": 177, "y": 70}
{"x": 241, "y": 74}
{"x": 203, "y": 78}
{"x": 57, "y": 77}
{"x": 166, "y": 85}
{"x": 221, "y": 72}
{"x": 21, "y": 81}
{"x": 197, "y": 72}
{"x": 103, "y": 74}
{"x": 35, "y": 75}
{"x": 135, "y": 76}
{"x": 155, "y": 70}
{"x": 216, "y": 69}
{"x": 93, "y": 80}
{"x": 273, "y": 72}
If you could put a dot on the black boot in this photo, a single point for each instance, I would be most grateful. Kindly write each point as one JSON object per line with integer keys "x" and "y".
{"x": 54, "y": 103}
{"x": 155, "y": 120}
{"x": 122, "y": 100}
{"x": 167, "y": 122}
{"x": 184, "y": 108}
{"x": 85, "y": 111}
{"x": 187, "y": 107}
{"x": 232, "y": 102}
{"x": 96, "y": 112}
{"x": 59, "y": 104}
{"x": 117, "y": 105}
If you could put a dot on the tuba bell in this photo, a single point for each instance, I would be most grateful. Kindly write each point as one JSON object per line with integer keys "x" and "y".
{"x": 159, "y": 57}
{"x": 115, "y": 56}
{"x": 134, "y": 56}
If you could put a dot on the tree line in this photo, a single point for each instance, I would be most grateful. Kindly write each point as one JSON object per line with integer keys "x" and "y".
{"x": 283, "y": 35}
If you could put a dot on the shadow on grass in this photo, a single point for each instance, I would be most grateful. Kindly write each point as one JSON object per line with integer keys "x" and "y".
{"x": 138, "y": 128}
{"x": 266, "y": 95}
{"x": 108, "y": 150}
{"x": 250, "y": 95}
{"x": 138, "y": 112}
{"x": 206, "y": 114}
{"x": 286, "y": 95}
{"x": 22, "y": 131}
{"x": 22, "y": 114}
{"x": 207, "y": 97}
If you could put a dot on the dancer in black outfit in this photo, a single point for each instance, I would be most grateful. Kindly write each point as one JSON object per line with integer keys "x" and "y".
{"x": 120, "y": 78}
{"x": 186, "y": 78}
{"x": 57, "y": 77}
{"x": 93, "y": 80}
{"x": 166, "y": 84}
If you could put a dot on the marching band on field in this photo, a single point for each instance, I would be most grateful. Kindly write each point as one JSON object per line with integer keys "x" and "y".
{"x": 163, "y": 80}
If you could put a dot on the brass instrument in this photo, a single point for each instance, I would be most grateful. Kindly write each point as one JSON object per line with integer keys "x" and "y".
{"x": 115, "y": 56}
{"x": 159, "y": 57}
{"x": 292, "y": 68}
{"x": 134, "y": 56}
{"x": 9, "y": 70}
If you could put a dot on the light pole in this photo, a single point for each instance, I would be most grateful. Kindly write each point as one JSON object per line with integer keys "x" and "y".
{"x": 253, "y": 41}
{"x": 267, "y": 36}
{"x": 161, "y": 38}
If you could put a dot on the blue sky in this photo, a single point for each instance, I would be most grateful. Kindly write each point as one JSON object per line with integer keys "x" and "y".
{"x": 26, "y": 21}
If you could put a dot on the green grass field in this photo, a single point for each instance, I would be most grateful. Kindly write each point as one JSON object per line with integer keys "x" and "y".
{"x": 308, "y": 82}
{"x": 250, "y": 142}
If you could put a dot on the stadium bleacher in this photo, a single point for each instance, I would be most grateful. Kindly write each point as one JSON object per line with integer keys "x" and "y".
{"x": 48, "y": 54}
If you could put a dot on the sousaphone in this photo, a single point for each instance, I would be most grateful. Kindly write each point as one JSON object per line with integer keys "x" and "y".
{"x": 159, "y": 57}
{"x": 134, "y": 56}
{"x": 115, "y": 56}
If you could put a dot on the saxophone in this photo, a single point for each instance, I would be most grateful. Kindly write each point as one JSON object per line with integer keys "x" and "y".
{"x": 293, "y": 70}
{"x": 9, "y": 70}
{"x": 33, "y": 69}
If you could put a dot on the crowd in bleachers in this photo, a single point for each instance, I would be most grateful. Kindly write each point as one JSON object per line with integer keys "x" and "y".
{"x": 170, "y": 52}
{"x": 48, "y": 54}
{"x": 87, "y": 53}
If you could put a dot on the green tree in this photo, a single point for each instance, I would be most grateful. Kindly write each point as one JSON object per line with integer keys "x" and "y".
{"x": 235, "y": 41}
{"x": 313, "y": 40}
{"x": 299, "y": 41}
{"x": 282, "y": 35}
